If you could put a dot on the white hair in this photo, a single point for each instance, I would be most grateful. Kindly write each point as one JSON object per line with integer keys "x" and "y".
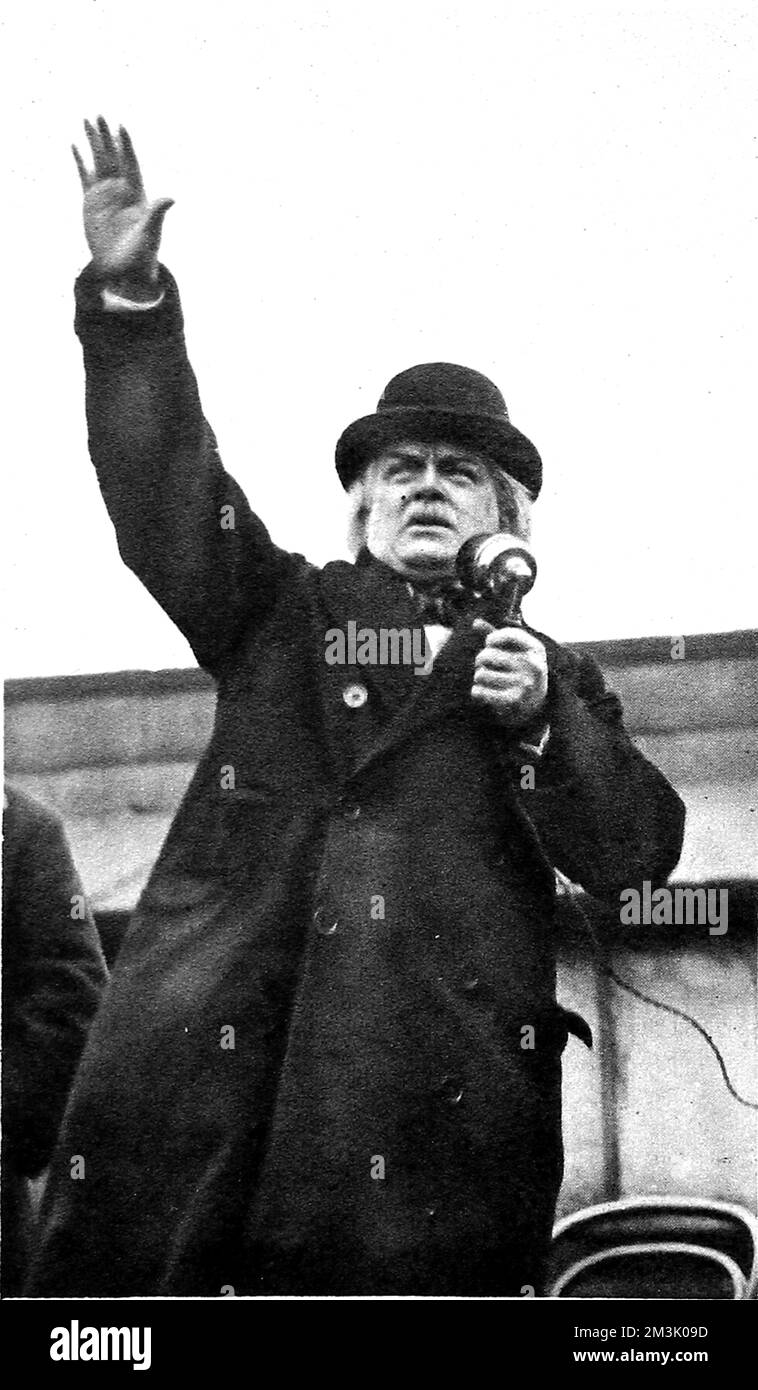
{"x": 514, "y": 506}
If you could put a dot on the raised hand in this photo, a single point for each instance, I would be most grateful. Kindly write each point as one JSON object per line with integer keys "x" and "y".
{"x": 122, "y": 228}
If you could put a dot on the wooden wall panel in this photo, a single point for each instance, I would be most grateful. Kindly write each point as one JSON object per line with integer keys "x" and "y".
{"x": 679, "y": 1128}
{"x": 107, "y": 730}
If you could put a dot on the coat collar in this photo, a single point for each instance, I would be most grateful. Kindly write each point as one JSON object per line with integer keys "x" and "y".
{"x": 370, "y": 595}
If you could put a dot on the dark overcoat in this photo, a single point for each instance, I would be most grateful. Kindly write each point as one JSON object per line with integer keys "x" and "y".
{"x": 362, "y": 892}
{"x": 54, "y": 974}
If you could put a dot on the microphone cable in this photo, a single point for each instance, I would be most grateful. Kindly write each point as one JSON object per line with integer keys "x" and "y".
{"x": 654, "y": 1003}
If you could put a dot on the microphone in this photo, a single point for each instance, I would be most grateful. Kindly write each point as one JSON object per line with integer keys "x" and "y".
{"x": 497, "y": 570}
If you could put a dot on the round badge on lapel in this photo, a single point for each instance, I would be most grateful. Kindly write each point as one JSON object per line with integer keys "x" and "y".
{"x": 355, "y": 695}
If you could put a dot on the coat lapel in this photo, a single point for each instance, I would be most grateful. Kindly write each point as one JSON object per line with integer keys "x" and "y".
{"x": 371, "y": 596}
{"x": 445, "y": 689}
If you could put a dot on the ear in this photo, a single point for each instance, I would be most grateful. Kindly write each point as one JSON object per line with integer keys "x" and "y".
{"x": 513, "y": 504}
{"x": 359, "y": 506}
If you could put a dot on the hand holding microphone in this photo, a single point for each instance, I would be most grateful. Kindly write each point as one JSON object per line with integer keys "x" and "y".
{"x": 510, "y": 670}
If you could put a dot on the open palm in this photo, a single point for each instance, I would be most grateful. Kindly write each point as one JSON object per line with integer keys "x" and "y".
{"x": 122, "y": 228}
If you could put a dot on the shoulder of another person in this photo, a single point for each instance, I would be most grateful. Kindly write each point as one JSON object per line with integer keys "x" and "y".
{"x": 23, "y": 814}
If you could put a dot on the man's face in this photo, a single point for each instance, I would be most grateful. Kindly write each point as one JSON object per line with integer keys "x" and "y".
{"x": 427, "y": 500}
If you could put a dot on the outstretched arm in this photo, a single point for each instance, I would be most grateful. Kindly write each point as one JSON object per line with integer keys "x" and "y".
{"x": 183, "y": 525}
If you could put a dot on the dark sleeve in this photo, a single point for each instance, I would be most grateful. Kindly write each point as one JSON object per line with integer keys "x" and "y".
{"x": 53, "y": 977}
{"x": 182, "y": 523}
{"x": 607, "y": 818}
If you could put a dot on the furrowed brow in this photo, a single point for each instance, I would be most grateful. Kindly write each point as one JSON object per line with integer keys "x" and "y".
{"x": 462, "y": 461}
{"x": 409, "y": 455}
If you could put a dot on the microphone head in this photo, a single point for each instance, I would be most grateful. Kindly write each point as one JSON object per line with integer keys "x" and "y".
{"x": 489, "y": 564}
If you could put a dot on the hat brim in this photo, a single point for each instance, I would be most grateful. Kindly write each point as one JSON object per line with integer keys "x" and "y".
{"x": 490, "y": 435}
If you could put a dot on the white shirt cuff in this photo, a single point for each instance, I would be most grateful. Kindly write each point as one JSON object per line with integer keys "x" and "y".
{"x": 119, "y": 304}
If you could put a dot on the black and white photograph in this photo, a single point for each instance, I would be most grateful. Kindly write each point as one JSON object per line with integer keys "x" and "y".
{"x": 380, "y": 663}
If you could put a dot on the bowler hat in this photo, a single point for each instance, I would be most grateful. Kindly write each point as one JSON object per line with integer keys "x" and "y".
{"x": 441, "y": 401}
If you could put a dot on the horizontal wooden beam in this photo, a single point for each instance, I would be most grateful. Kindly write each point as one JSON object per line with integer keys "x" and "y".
{"x": 614, "y": 652}
{"x": 151, "y": 717}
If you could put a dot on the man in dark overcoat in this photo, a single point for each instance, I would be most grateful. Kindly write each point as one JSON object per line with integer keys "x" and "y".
{"x": 54, "y": 974}
{"x": 330, "y": 1058}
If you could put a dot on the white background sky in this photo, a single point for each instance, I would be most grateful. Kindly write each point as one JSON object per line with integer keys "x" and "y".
{"x": 561, "y": 195}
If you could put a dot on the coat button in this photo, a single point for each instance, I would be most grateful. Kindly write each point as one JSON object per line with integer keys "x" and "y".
{"x": 355, "y": 695}
{"x": 327, "y": 926}
{"x": 449, "y": 1089}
